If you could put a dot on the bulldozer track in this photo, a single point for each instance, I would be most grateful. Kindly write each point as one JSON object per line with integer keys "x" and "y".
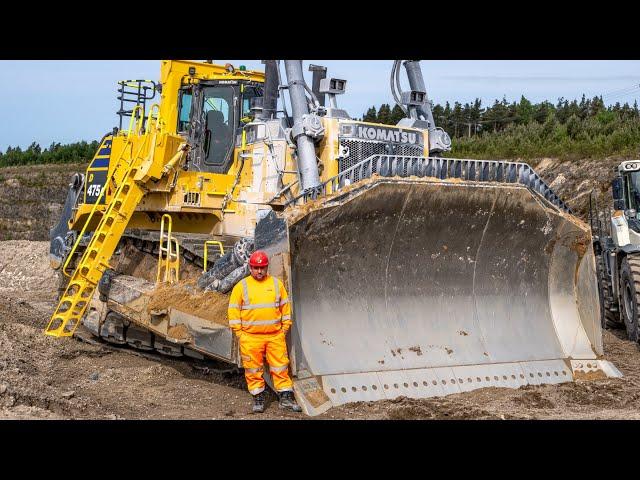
{"x": 87, "y": 337}
{"x": 148, "y": 247}
{"x": 83, "y": 335}
{"x": 152, "y": 247}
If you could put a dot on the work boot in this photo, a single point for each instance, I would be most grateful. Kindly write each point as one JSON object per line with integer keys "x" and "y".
{"x": 287, "y": 400}
{"x": 258, "y": 403}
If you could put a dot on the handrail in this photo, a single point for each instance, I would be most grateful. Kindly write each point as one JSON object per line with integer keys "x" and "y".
{"x": 500, "y": 171}
{"x": 211, "y": 242}
{"x": 162, "y": 249}
{"x": 138, "y": 122}
{"x": 170, "y": 263}
{"x": 150, "y": 116}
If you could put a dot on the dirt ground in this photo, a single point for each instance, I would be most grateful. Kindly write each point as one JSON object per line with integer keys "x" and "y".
{"x": 48, "y": 378}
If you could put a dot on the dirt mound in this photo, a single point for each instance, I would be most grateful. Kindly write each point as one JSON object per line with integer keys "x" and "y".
{"x": 137, "y": 263}
{"x": 187, "y": 297}
{"x": 24, "y": 266}
{"x": 27, "y": 375}
{"x": 533, "y": 399}
{"x": 438, "y": 409}
{"x": 574, "y": 181}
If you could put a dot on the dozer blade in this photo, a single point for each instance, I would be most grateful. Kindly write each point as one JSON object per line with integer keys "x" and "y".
{"x": 423, "y": 287}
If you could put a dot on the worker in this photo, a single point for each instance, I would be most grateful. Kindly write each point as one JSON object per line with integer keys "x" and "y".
{"x": 260, "y": 316}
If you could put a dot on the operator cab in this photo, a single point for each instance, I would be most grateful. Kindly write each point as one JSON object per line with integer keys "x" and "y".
{"x": 211, "y": 115}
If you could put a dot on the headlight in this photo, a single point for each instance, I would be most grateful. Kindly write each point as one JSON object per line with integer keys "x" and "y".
{"x": 346, "y": 129}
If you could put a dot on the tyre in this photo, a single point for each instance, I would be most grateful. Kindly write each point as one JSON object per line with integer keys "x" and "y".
{"x": 630, "y": 294}
{"x": 608, "y": 312}
{"x": 603, "y": 320}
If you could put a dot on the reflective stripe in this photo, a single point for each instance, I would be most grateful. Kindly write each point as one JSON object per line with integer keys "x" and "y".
{"x": 259, "y": 305}
{"x": 285, "y": 390}
{"x": 277, "y": 289}
{"x": 256, "y": 391}
{"x": 260, "y": 322}
{"x": 234, "y": 305}
{"x": 253, "y": 370}
{"x": 286, "y": 317}
{"x": 278, "y": 369}
{"x": 235, "y": 322}
{"x": 245, "y": 291}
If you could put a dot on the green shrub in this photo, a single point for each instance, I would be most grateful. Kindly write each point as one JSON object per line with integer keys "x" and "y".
{"x": 79, "y": 152}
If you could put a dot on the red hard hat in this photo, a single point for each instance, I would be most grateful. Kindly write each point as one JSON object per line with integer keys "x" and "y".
{"x": 259, "y": 259}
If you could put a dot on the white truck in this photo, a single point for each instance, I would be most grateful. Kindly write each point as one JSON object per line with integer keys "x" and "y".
{"x": 617, "y": 248}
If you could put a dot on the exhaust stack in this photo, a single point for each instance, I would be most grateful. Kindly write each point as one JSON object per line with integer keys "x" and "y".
{"x": 270, "y": 103}
{"x": 319, "y": 73}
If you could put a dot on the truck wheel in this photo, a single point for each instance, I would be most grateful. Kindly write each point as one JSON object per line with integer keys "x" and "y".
{"x": 630, "y": 293}
{"x": 608, "y": 316}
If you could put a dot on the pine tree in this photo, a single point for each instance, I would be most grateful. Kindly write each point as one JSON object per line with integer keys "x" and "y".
{"x": 524, "y": 111}
{"x": 370, "y": 116}
{"x": 397, "y": 114}
{"x": 384, "y": 114}
{"x": 476, "y": 114}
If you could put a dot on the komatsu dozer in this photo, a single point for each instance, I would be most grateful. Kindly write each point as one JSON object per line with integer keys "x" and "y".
{"x": 411, "y": 274}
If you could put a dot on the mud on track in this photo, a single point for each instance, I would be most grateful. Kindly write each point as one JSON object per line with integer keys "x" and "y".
{"x": 43, "y": 377}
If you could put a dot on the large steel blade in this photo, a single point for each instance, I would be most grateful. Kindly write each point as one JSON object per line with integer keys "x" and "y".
{"x": 403, "y": 275}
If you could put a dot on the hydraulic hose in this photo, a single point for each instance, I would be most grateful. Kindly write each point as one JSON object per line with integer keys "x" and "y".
{"x": 394, "y": 75}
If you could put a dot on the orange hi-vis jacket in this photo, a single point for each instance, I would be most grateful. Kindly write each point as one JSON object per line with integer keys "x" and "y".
{"x": 259, "y": 306}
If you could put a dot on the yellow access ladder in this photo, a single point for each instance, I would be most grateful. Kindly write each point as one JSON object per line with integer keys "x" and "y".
{"x": 95, "y": 259}
{"x": 103, "y": 243}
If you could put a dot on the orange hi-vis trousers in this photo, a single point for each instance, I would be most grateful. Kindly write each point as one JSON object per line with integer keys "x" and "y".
{"x": 260, "y": 314}
{"x": 253, "y": 347}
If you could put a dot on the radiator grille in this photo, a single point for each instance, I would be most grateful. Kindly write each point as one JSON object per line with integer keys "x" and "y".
{"x": 361, "y": 149}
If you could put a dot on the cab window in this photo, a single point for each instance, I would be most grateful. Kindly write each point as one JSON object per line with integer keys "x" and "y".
{"x": 632, "y": 187}
{"x": 220, "y": 120}
{"x": 185, "y": 110}
{"x": 248, "y": 94}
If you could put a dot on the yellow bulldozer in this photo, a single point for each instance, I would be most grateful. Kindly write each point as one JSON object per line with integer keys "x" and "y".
{"x": 411, "y": 274}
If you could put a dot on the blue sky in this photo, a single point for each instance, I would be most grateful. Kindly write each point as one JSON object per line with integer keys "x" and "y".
{"x": 69, "y": 101}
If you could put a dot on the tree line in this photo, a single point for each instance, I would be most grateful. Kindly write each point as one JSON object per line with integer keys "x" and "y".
{"x": 524, "y": 129}
{"x": 56, "y": 153}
